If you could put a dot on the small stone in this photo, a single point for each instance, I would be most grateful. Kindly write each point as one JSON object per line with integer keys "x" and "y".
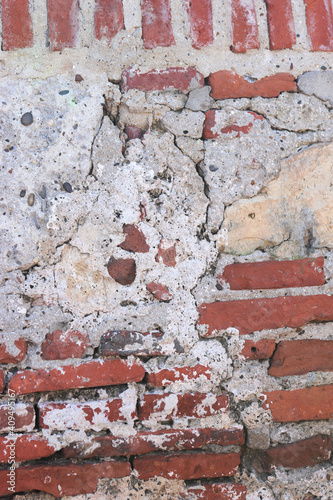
{"x": 67, "y": 187}
{"x": 27, "y": 119}
{"x": 317, "y": 83}
{"x": 123, "y": 271}
{"x": 31, "y": 200}
{"x": 199, "y": 99}
{"x": 42, "y": 192}
{"x": 78, "y": 78}
{"x": 64, "y": 92}
{"x": 23, "y": 193}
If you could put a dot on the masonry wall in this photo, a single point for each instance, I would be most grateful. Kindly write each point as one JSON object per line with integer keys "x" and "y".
{"x": 166, "y": 249}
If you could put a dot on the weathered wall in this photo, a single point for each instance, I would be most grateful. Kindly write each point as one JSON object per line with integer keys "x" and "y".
{"x": 166, "y": 249}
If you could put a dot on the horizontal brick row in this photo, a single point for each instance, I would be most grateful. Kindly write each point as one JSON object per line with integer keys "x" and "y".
{"x": 26, "y": 447}
{"x": 165, "y": 377}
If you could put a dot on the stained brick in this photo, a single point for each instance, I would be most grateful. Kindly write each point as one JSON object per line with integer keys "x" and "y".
{"x": 170, "y": 406}
{"x": 319, "y": 20}
{"x": 296, "y": 357}
{"x": 134, "y": 132}
{"x": 263, "y": 349}
{"x": 90, "y": 374}
{"x": 159, "y": 291}
{"x": 126, "y": 343}
{"x": 184, "y": 79}
{"x": 27, "y": 447}
{"x": 64, "y": 345}
{"x": 312, "y": 403}
{"x": 228, "y": 85}
{"x": 305, "y": 453}
{"x": 150, "y": 441}
{"x": 216, "y": 124}
{"x": 187, "y": 465}
{"x": 95, "y": 415}
{"x": 135, "y": 240}
{"x": 156, "y": 24}
{"x": 274, "y": 274}
{"x": 17, "y": 30}
{"x": 123, "y": 271}
{"x": 6, "y": 356}
{"x": 217, "y": 491}
{"x": 109, "y": 19}
{"x": 167, "y": 252}
{"x": 166, "y": 377}
{"x": 63, "y": 19}
{"x": 201, "y": 22}
{"x": 64, "y": 479}
{"x": 249, "y": 316}
{"x": 24, "y": 415}
{"x": 244, "y": 26}
{"x": 281, "y": 26}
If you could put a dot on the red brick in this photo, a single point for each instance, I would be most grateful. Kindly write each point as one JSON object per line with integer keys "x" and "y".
{"x": 7, "y": 357}
{"x": 63, "y": 19}
{"x": 170, "y": 406}
{"x": 305, "y": 453}
{"x": 274, "y": 274}
{"x": 166, "y": 377}
{"x": 263, "y": 349}
{"x": 187, "y": 465}
{"x": 150, "y": 441}
{"x": 94, "y": 373}
{"x": 134, "y": 132}
{"x": 126, "y": 343}
{"x": 63, "y": 479}
{"x": 213, "y": 129}
{"x": 217, "y": 491}
{"x": 64, "y": 345}
{"x": 228, "y": 85}
{"x": 82, "y": 416}
{"x": 312, "y": 403}
{"x": 249, "y": 316}
{"x": 319, "y": 20}
{"x": 24, "y": 415}
{"x": 183, "y": 79}
{"x": 17, "y": 30}
{"x": 109, "y": 19}
{"x": 296, "y": 357}
{"x": 123, "y": 271}
{"x": 244, "y": 26}
{"x": 2, "y": 381}
{"x": 167, "y": 252}
{"x": 201, "y": 22}
{"x": 27, "y": 447}
{"x": 135, "y": 240}
{"x": 156, "y": 24}
{"x": 159, "y": 291}
{"x": 281, "y": 26}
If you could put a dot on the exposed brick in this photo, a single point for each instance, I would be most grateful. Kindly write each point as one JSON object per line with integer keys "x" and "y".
{"x": 296, "y": 357}
{"x": 123, "y": 271}
{"x": 27, "y": 447}
{"x": 83, "y": 416}
{"x": 63, "y": 19}
{"x": 24, "y": 415}
{"x": 216, "y": 124}
{"x": 156, "y": 24}
{"x": 134, "y": 132}
{"x": 8, "y": 355}
{"x": 2, "y": 381}
{"x": 312, "y": 403}
{"x": 126, "y": 343}
{"x": 135, "y": 240}
{"x": 170, "y": 406}
{"x": 217, "y": 491}
{"x": 17, "y": 30}
{"x": 201, "y": 22}
{"x": 305, "y": 453}
{"x": 90, "y": 374}
{"x": 281, "y": 26}
{"x": 244, "y": 26}
{"x": 63, "y": 479}
{"x": 187, "y": 465}
{"x": 167, "y": 252}
{"x": 109, "y": 19}
{"x": 274, "y": 274}
{"x": 263, "y": 349}
{"x": 228, "y": 85}
{"x": 64, "y": 345}
{"x": 166, "y": 377}
{"x": 159, "y": 291}
{"x": 319, "y": 20}
{"x": 184, "y": 79}
{"x": 249, "y": 316}
{"x": 150, "y": 441}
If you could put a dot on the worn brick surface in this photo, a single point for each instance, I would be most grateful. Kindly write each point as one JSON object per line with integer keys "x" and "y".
{"x": 17, "y": 29}
{"x": 311, "y": 403}
{"x": 201, "y": 22}
{"x": 166, "y": 377}
{"x": 24, "y": 415}
{"x": 280, "y": 24}
{"x": 217, "y": 491}
{"x": 135, "y": 240}
{"x": 63, "y": 19}
{"x": 184, "y": 79}
{"x": 241, "y": 124}
{"x": 156, "y": 24}
{"x": 7, "y": 357}
{"x": 167, "y": 252}
{"x": 109, "y": 19}
{"x": 159, "y": 291}
{"x": 123, "y": 271}
{"x": 244, "y": 25}
{"x": 64, "y": 345}
{"x": 27, "y": 447}
{"x": 126, "y": 343}
{"x": 262, "y": 349}
{"x": 319, "y": 19}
